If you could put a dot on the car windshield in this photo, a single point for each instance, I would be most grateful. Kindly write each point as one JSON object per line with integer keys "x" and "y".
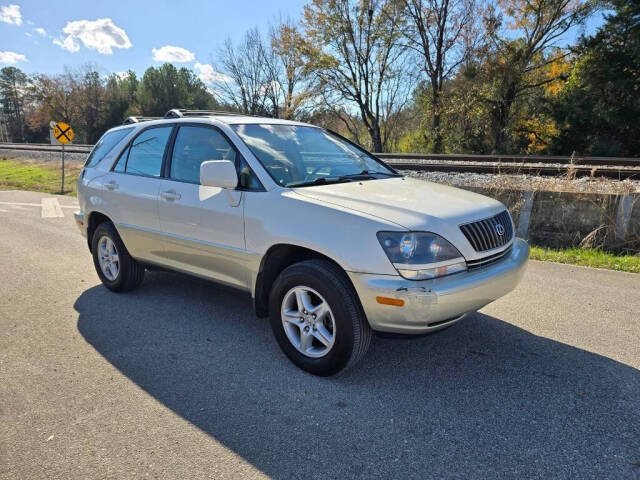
{"x": 298, "y": 156}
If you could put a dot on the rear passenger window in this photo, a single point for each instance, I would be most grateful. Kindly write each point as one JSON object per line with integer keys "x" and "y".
{"x": 105, "y": 145}
{"x": 195, "y": 145}
{"x": 144, "y": 156}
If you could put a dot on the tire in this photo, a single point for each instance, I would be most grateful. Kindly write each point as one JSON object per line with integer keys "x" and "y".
{"x": 129, "y": 272}
{"x": 351, "y": 333}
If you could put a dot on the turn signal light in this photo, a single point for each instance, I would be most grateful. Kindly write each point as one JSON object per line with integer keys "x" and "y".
{"x": 396, "y": 302}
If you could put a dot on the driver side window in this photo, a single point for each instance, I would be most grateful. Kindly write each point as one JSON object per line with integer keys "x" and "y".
{"x": 195, "y": 145}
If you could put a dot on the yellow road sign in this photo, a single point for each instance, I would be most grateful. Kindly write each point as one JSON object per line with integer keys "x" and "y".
{"x": 63, "y": 132}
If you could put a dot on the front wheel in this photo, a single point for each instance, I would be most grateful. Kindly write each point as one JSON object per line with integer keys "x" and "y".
{"x": 317, "y": 319}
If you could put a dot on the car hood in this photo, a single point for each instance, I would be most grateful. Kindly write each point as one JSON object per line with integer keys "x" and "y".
{"x": 410, "y": 203}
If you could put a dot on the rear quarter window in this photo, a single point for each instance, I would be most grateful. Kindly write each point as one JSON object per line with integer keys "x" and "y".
{"x": 105, "y": 145}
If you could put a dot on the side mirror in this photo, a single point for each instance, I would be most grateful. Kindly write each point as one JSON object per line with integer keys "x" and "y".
{"x": 218, "y": 173}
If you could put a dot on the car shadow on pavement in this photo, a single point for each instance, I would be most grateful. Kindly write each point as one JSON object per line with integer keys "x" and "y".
{"x": 483, "y": 399}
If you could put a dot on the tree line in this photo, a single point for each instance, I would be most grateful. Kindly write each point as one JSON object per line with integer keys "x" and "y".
{"x": 456, "y": 76}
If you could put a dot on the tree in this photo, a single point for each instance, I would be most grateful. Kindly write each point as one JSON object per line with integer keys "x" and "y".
{"x": 352, "y": 50}
{"x": 289, "y": 69}
{"x": 436, "y": 32}
{"x": 14, "y": 87}
{"x": 251, "y": 72}
{"x": 89, "y": 93}
{"x": 166, "y": 87}
{"x": 56, "y": 100}
{"x": 120, "y": 91}
{"x": 514, "y": 65}
{"x": 599, "y": 107}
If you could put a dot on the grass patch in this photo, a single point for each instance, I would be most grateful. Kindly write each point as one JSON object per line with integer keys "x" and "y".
{"x": 588, "y": 258}
{"x": 21, "y": 174}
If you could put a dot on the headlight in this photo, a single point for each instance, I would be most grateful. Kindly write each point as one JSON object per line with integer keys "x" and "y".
{"x": 421, "y": 255}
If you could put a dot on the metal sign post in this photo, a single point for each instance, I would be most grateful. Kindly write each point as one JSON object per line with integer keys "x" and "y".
{"x": 62, "y": 185}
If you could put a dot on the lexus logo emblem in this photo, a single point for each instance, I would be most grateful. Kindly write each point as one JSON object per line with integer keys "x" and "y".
{"x": 500, "y": 229}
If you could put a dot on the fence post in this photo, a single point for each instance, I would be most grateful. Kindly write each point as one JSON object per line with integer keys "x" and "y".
{"x": 524, "y": 218}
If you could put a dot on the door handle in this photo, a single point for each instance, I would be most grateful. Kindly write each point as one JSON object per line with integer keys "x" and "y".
{"x": 170, "y": 195}
{"x": 111, "y": 185}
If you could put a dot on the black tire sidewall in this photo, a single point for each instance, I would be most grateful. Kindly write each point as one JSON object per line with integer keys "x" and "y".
{"x": 343, "y": 306}
{"x": 107, "y": 229}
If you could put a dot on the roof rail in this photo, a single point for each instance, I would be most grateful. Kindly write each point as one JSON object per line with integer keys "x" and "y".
{"x": 182, "y": 112}
{"x": 130, "y": 120}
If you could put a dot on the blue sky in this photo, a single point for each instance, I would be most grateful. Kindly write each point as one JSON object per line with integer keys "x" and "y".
{"x": 47, "y": 36}
{"x": 135, "y": 28}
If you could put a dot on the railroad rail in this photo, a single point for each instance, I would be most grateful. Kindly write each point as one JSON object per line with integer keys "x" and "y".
{"x": 45, "y": 147}
{"x": 511, "y": 159}
{"x": 576, "y": 166}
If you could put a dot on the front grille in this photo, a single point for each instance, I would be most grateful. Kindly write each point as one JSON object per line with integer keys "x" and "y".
{"x": 488, "y": 260}
{"x": 490, "y": 233}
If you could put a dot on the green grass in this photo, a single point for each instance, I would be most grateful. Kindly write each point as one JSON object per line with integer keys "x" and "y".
{"x": 18, "y": 174}
{"x": 588, "y": 258}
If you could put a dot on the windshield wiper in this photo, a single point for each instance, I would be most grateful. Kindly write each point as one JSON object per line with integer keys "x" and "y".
{"x": 363, "y": 175}
{"x": 318, "y": 181}
{"x": 368, "y": 174}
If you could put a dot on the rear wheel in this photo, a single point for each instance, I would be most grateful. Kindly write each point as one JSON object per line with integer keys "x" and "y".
{"x": 117, "y": 270}
{"x": 317, "y": 319}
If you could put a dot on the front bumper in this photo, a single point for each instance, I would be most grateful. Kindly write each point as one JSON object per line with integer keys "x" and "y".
{"x": 80, "y": 223}
{"x": 431, "y": 305}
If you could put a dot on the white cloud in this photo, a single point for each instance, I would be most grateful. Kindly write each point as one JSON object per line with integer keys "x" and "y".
{"x": 169, "y": 53}
{"x": 40, "y": 31}
{"x": 101, "y": 35}
{"x": 11, "y": 14}
{"x": 12, "y": 57}
{"x": 208, "y": 75}
{"x": 68, "y": 44}
{"x": 28, "y": 34}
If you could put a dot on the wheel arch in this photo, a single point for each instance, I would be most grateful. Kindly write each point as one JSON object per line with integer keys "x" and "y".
{"x": 273, "y": 262}
{"x": 95, "y": 219}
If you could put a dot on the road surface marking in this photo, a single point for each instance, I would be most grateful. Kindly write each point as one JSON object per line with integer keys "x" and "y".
{"x": 21, "y": 204}
{"x": 3, "y": 211}
{"x": 51, "y": 208}
{"x": 57, "y": 207}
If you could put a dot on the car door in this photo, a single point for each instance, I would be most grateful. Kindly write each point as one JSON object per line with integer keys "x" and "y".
{"x": 130, "y": 192}
{"x": 203, "y": 226}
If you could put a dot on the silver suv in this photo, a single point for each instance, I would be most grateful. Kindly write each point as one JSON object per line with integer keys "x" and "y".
{"x": 331, "y": 242}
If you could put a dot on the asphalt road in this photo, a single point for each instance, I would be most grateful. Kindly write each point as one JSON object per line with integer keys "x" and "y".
{"x": 180, "y": 380}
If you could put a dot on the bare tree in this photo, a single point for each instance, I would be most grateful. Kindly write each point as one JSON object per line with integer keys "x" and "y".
{"x": 352, "y": 50}
{"x": 436, "y": 32}
{"x": 249, "y": 89}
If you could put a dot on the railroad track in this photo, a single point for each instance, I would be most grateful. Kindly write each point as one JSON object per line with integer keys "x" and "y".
{"x": 510, "y": 159}
{"x": 617, "y": 173}
{"x": 609, "y": 167}
{"x": 45, "y": 147}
